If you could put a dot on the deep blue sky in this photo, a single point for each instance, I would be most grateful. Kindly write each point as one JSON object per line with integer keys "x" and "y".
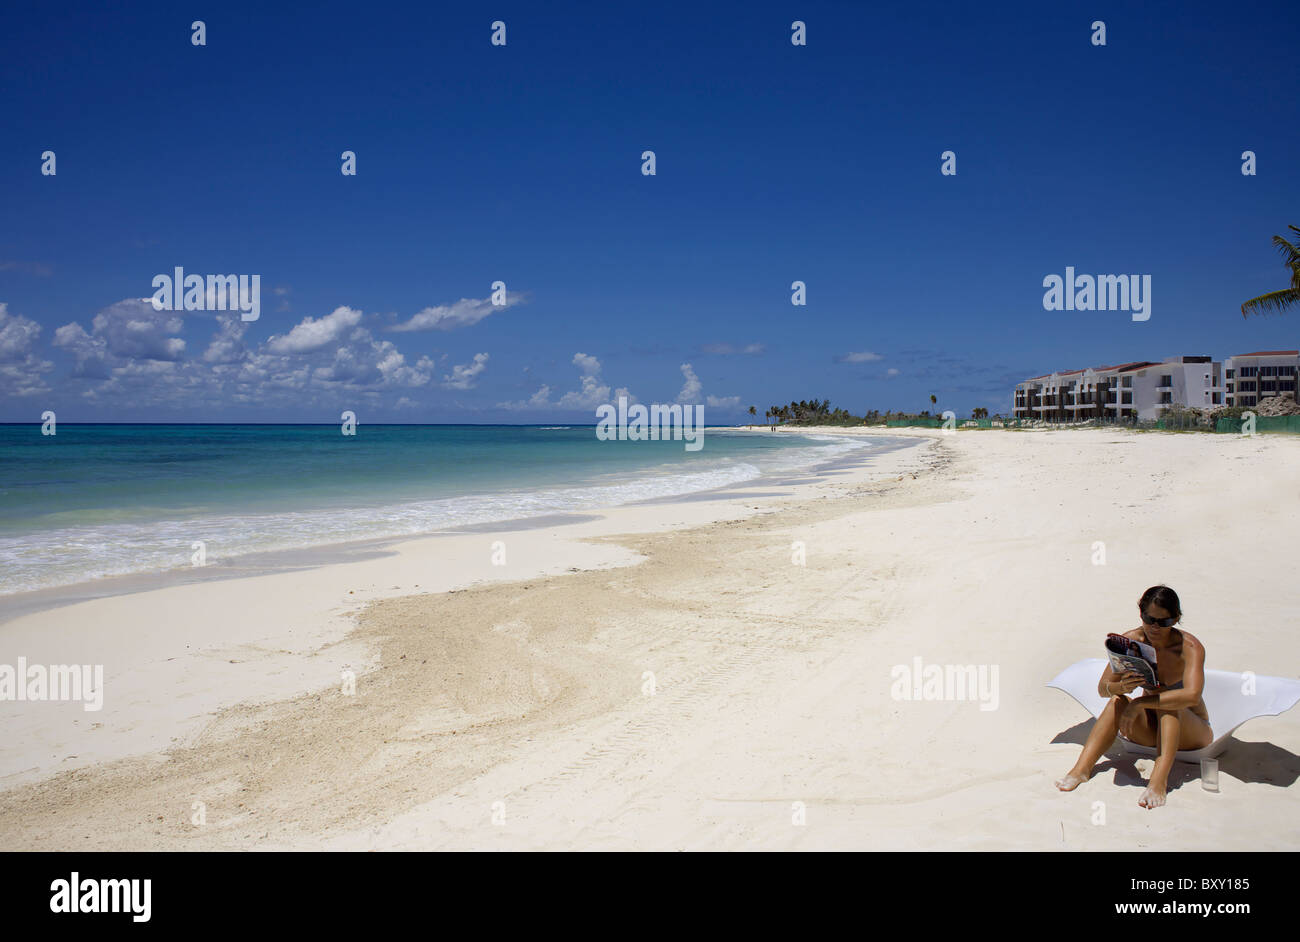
{"x": 522, "y": 163}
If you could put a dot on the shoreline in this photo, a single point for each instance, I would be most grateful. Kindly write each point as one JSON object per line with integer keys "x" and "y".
{"x": 278, "y": 623}
{"x": 772, "y": 678}
{"x": 266, "y": 562}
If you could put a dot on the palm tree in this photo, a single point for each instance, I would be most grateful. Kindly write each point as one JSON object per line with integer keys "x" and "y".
{"x": 1279, "y": 301}
{"x": 933, "y": 401}
{"x": 753, "y": 411}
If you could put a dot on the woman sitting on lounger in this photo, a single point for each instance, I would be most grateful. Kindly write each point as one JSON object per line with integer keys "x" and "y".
{"x": 1170, "y": 718}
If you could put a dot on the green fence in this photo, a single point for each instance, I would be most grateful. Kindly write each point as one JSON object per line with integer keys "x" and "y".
{"x": 1270, "y": 423}
{"x": 1276, "y": 423}
{"x": 1181, "y": 423}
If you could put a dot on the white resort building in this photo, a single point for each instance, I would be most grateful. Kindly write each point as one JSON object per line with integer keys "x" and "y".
{"x": 1250, "y": 377}
{"x": 1144, "y": 388}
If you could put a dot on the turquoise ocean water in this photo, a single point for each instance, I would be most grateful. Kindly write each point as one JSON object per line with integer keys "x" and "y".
{"x": 103, "y": 500}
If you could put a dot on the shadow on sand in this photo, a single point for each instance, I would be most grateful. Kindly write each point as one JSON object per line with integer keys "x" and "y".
{"x": 1257, "y": 762}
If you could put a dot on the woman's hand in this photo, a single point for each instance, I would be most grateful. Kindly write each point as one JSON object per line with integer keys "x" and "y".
{"x": 1127, "y": 682}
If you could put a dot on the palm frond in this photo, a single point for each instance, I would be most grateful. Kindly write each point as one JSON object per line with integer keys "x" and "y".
{"x": 1274, "y": 301}
{"x": 1290, "y": 253}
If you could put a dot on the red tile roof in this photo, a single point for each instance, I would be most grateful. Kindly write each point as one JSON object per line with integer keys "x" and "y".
{"x": 1123, "y": 368}
{"x": 1270, "y": 353}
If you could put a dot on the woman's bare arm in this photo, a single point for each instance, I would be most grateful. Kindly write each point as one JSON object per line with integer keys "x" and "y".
{"x": 1104, "y": 686}
{"x": 1193, "y": 681}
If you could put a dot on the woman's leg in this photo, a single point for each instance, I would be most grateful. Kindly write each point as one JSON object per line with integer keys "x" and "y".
{"x": 1178, "y": 730}
{"x": 1193, "y": 732}
{"x": 1168, "y": 737}
{"x": 1099, "y": 740}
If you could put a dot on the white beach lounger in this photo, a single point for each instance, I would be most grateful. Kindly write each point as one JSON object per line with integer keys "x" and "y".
{"x": 1227, "y": 705}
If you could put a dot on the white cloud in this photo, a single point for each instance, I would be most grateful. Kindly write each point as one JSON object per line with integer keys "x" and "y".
{"x": 91, "y": 353}
{"x": 127, "y": 358}
{"x": 20, "y": 367}
{"x": 314, "y": 333}
{"x": 145, "y": 368}
{"x": 365, "y": 362}
{"x": 227, "y": 345}
{"x": 464, "y": 375}
{"x": 130, "y": 329}
{"x": 891, "y": 372}
{"x": 17, "y": 335}
{"x": 135, "y": 356}
{"x": 463, "y": 313}
{"x": 691, "y": 388}
{"x": 540, "y": 399}
{"x": 865, "y": 356}
{"x": 727, "y": 349}
{"x": 123, "y": 332}
{"x": 282, "y": 292}
{"x": 594, "y": 391}
{"x": 591, "y": 393}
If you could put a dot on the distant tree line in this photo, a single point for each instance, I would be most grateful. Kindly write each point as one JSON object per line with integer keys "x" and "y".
{"x": 814, "y": 412}
{"x": 819, "y": 412}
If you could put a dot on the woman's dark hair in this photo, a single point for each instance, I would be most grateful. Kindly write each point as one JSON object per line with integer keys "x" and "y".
{"x": 1163, "y": 596}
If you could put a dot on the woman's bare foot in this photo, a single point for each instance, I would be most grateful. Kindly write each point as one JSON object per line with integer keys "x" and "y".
{"x": 1152, "y": 798}
{"x": 1070, "y": 781}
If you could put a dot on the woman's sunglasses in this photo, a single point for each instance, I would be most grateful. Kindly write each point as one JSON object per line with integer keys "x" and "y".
{"x": 1162, "y": 622}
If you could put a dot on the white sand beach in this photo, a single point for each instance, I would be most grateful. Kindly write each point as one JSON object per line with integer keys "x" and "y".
{"x": 668, "y": 676}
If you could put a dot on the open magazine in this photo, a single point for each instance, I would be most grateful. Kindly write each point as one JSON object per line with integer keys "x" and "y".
{"x": 1125, "y": 654}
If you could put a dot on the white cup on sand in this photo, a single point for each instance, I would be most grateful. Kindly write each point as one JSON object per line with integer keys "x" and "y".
{"x": 1210, "y": 774}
